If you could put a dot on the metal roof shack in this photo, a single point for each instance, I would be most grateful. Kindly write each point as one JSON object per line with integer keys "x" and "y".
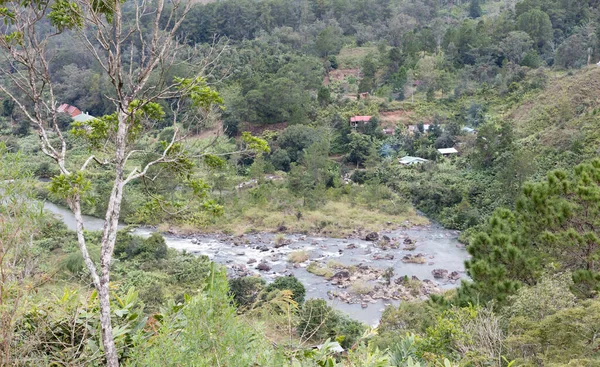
{"x": 408, "y": 160}
{"x": 357, "y": 119}
{"x": 415, "y": 128}
{"x": 71, "y": 110}
{"x": 447, "y": 151}
{"x": 83, "y": 117}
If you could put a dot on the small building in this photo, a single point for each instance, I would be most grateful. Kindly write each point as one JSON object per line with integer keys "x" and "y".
{"x": 415, "y": 128}
{"x": 447, "y": 151}
{"x": 83, "y": 117}
{"x": 71, "y": 110}
{"x": 388, "y": 131}
{"x": 469, "y": 130}
{"x": 409, "y": 161}
{"x": 356, "y": 120}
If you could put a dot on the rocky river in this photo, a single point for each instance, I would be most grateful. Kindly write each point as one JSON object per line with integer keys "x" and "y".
{"x": 424, "y": 259}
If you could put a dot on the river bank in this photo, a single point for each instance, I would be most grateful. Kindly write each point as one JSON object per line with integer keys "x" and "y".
{"x": 269, "y": 255}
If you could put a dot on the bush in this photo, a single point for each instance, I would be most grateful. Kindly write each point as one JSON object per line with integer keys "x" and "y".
{"x": 129, "y": 246}
{"x": 290, "y": 283}
{"x": 298, "y": 257}
{"x": 154, "y": 247}
{"x": 245, "y": 290}
{"x": 318, "y": 321}
{"x": 361, "y": 287}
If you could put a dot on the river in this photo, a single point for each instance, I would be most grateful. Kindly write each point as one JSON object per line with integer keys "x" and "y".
{"x": 440, "y": 246}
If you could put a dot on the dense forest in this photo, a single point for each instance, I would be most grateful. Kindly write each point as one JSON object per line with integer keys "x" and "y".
{"x": 280, "y": 119}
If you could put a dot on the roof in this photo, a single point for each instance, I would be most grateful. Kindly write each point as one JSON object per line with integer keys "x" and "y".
{"x": 83, "y": 117}
{"x": 412, "y": 160}
{"x": 360, "y": 118}
{"x": 71, "y": 110}
{"x": 445, "y": 151}
{"x": 416, "y": 127}
{"x": 469, "y": 130}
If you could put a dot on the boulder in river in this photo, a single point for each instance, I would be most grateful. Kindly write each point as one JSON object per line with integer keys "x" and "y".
{"x": 263, "y": 266}
{"x": 414, "y": 259}
{"x": 251, "y": 261}
{"x": 341, "y": 274}
{"x": 439, "y": 273}
{"x": 373, "y": 236}
{"x": 455, "y": 275}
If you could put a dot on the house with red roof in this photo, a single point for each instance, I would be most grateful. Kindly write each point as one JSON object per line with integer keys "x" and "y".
{"x": 71, "y": 110}
{"x": 356, "y": 120}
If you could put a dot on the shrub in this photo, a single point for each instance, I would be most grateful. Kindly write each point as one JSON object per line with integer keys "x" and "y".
{"x": 129, "y": 246}
{"x": 361, "y": 287}
{"x": 245, "y": 290}
{"x": 298, "y": 256}
{"x": 318, "y": 321}
{"x": 315, "y": 269}
{"x": 290, "y": 283}
{"x": 154, "y": 246}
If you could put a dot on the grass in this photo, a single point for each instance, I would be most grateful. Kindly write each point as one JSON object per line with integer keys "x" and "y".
{"x": 279, "y": 238}
{"x": 361, "y": 287}
{"x": 334, "y": 219}
{"x": 332, "y": 264}
{"x": 298, "y": 257}
{"x": 316, "y": 269}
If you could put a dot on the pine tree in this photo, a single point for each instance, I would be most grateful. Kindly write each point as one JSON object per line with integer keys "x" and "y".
{"x": 555, "y": 226}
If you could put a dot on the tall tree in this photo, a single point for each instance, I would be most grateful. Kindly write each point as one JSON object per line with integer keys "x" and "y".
{"x": 134, "y": 44}
{"x": 537, "y": 25}
{"x": 554, "y": 222}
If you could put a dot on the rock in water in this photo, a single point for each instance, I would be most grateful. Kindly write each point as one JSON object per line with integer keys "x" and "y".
{"x": 439, "y": 273}
{"x": 263, "y": 266}
{"x": 341, "y": 274}
{"x": 455, "y": 275}
{"x": 373, "y": 236}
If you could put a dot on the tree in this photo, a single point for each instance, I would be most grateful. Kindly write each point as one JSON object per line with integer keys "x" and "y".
{"x": 501, "y": 261}
{"x": 368, "y": 69}
{"x": 537, "y": 24}
{"x": 573, "y": 52}
{"x": 398, "y": 26}
{"x": 315, "y": 173}
{"x": 324, "y": 96}
{"x": 329, "y": 41}
{"x": 554, "y": 222}
{"x": 516, "y": 45}
{"x": 360, "y": 148}
{"x": 475, "y": 9}
{"x": 137, "y": 60}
